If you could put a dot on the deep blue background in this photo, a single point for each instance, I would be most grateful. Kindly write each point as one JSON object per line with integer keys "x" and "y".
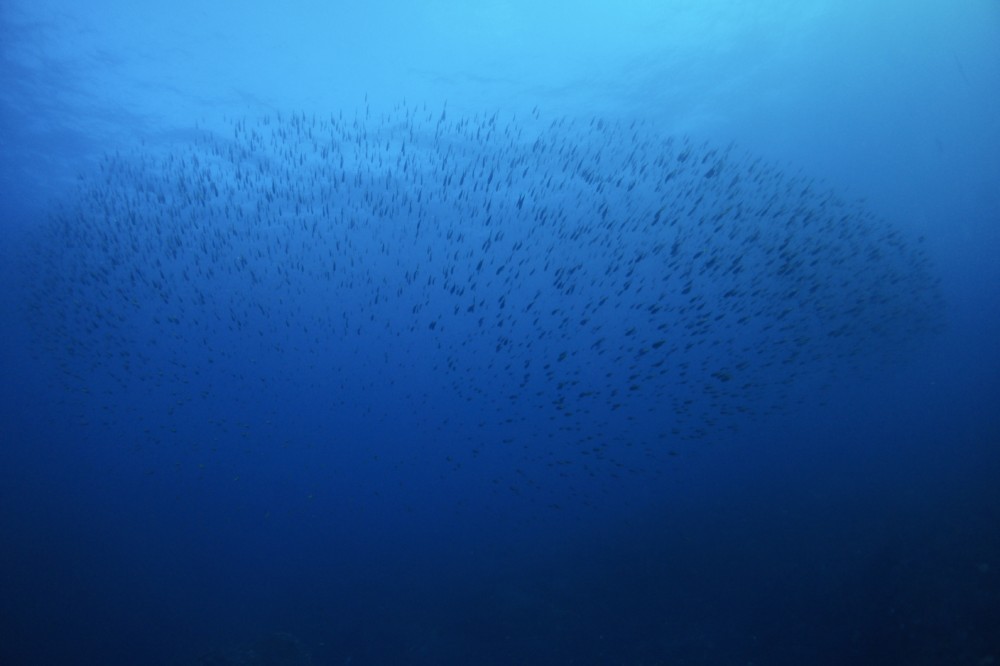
{"x": 859, "y": 526}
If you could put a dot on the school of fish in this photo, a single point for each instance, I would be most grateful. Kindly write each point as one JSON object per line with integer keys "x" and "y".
{"x": 566, "y": 290}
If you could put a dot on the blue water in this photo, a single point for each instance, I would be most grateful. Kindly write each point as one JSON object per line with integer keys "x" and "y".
{"x": 499, "y": 333}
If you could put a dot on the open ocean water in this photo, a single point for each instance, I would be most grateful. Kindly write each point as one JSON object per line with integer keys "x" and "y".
{"x": 501, "y": 332}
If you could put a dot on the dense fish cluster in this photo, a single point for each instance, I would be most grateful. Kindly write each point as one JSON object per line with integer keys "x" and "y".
{"x": 565, "y": 290}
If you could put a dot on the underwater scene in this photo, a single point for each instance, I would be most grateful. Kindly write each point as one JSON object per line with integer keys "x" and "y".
{"x": 501, "y": 332}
